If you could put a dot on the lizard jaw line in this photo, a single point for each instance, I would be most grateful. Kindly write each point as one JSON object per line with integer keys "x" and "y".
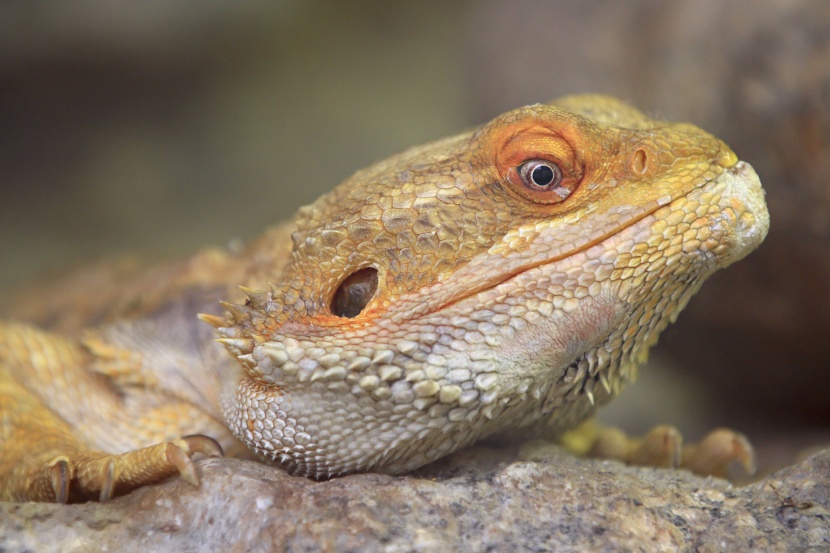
{"x": 531, "y": 266}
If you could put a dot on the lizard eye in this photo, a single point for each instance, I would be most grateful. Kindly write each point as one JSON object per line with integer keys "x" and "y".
{"x": 541, "y": 181}
{"x": 540, "y": 175}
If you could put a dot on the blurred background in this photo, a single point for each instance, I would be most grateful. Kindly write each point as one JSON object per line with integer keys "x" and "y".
{"x": 165, "y": 125}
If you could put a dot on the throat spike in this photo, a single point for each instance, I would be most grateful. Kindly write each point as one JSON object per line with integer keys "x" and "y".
{"x": 238, "y": 312}
{"x": 237, "y": 346}
{"x": 212, "y": 320}
{"x": 259, "y": 298}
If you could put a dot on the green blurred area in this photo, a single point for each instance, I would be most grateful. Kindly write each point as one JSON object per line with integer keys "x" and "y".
{"x": 157, "y": 128}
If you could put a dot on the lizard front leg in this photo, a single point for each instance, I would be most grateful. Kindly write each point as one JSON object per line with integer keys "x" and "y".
{"x": 45, "y": 453}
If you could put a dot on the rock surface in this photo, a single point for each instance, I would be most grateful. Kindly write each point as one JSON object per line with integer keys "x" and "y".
{"x": 478, "y": 500}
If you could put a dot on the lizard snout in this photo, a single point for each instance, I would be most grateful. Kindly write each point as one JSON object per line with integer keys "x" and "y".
{"x": 743, "y": 211}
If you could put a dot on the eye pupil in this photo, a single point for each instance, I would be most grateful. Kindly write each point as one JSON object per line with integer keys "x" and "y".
{"x": 542, "y": 175}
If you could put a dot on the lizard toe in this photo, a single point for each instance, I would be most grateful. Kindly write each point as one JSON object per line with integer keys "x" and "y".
{"x": 661, "y": 447}
{"x": 717, "y": 451}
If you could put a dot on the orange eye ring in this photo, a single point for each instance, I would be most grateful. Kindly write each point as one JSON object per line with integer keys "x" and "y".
{"x": 537, "y": 163}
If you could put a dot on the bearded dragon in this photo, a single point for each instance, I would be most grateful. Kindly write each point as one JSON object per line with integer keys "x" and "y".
{"x": 502, "y": 282}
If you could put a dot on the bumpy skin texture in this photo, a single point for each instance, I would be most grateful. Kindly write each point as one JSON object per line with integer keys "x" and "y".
{"x": 499, "y": 309}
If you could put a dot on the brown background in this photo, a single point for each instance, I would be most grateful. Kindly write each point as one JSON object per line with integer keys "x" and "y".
{"x": 165, "y": 125}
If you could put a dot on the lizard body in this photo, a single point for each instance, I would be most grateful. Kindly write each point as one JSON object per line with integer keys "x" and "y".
{"x": 501, "y": 282}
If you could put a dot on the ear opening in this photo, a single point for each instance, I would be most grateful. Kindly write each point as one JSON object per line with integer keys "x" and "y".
{"x": 355, "y": 293}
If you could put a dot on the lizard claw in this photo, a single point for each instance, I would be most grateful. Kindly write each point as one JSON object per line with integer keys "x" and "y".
{"x": 178, "y": 454}
{"x": 199, "y": 443}
{"x": 180, "y": 459}
{"x": 108, "y": 481}
{"x": 60, "y": 474}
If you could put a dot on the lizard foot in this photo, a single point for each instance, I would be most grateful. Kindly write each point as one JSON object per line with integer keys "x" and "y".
{"x": 663, "y": 447}
{"x": 88, "y": 475}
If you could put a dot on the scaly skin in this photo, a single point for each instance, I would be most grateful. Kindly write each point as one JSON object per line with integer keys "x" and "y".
{"x": 499, "y": 310}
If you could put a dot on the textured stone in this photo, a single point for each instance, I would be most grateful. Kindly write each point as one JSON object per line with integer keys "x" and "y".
{"x": 480, "y": 499}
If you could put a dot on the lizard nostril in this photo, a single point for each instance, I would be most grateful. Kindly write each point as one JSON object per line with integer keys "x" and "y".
{"x": 639, "y": 161}
{"x": 354, "y": 293}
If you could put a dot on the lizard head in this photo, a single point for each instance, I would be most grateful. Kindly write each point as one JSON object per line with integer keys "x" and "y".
{"x": 510, "y": 276}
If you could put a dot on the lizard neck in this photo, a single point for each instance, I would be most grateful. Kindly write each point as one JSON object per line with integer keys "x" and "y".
{"x": 175, "y": 353}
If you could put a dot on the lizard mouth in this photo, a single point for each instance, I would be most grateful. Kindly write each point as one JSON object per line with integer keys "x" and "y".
{"x": 740, "y": 182}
